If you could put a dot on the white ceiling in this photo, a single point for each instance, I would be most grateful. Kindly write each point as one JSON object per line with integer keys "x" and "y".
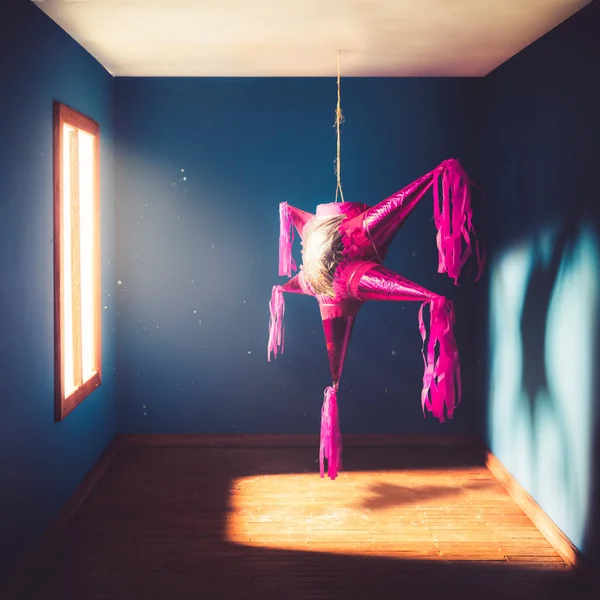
{"x": 301, "y": 37}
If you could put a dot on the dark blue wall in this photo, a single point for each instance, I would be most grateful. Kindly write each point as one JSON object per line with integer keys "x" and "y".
{"x": 542, "y": 150}
{"x": 197, "y": 257}
{"x": 41, "y": 462}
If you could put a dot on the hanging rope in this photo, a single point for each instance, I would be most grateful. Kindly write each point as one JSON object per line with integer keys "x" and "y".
{"x": 339, "y": 118}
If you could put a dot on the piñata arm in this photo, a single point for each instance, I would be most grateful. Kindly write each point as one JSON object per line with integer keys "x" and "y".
{"x": 441, "y": 380}
{"x": 452, "y": 216}
{"x": 277, "y": 311}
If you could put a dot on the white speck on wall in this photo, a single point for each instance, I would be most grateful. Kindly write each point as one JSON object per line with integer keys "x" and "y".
{"x": 119, "y": 282}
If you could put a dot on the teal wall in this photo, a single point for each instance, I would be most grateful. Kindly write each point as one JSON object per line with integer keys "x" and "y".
{"x": 42, "y": 462}
{"x": 542, "y": 132}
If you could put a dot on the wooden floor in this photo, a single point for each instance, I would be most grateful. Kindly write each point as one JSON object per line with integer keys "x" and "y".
{"x": 195, "y": 523}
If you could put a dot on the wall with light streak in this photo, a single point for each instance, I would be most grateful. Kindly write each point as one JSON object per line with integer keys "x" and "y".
{"x": 41, "y": 461}
{"x": 543, "y": 215}
{"x": 202, "y": 167}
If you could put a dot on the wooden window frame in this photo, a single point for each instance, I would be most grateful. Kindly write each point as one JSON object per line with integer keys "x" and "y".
{"x": 64, "y": 404}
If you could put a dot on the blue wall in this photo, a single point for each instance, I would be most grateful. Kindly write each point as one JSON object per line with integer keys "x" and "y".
{"x": 541, "y": 174}
{"x": 41, "y": 462}
{"x": 202, "y": 167}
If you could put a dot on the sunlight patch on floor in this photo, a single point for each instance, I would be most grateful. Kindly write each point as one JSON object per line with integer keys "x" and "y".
{"x": 457, "y": 514}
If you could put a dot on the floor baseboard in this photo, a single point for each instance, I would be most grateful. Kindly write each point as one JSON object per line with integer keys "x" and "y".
{"x": 65, "y": 516}
{"x": 290, "y": 441}
{"x": 547, "y": 527}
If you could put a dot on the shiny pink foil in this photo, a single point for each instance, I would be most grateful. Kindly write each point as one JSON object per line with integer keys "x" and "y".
{"x": 366, "y": 233}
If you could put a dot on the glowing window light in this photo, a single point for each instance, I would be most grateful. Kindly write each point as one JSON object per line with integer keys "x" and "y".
{"x": 76, "y": 258}
{"x": 86, "y": 172}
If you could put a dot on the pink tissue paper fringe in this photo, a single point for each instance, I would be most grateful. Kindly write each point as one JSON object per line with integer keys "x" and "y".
{"x": 441, "y": 379}
{"x": 276, "y": 330}
{"x": 286, "y": 237}
{"x": 331, "y": 437}
{"x": 453, "y": 220}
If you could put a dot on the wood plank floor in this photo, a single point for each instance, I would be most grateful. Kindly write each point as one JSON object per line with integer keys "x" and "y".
{"x": 194, "y": 523}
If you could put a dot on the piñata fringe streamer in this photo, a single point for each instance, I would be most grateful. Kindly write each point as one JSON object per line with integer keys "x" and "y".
{"x": 286, "y": 238}
{"x": 442, "y": 388}
{"x": 453, "y": 220}
{"x": 276, "y": 329}
{"x": 331, "y": 437}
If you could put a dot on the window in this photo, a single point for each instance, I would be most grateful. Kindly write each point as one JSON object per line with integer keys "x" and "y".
{"x": 77, "y": 331}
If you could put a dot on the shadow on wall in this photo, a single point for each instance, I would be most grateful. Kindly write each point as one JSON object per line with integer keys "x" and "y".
{"x": 544, "y": 300}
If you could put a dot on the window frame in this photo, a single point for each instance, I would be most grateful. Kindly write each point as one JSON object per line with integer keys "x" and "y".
{"x": 64, "y": 115}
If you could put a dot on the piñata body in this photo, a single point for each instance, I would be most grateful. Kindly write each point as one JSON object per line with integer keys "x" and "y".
{"x": 343, "y": 248}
